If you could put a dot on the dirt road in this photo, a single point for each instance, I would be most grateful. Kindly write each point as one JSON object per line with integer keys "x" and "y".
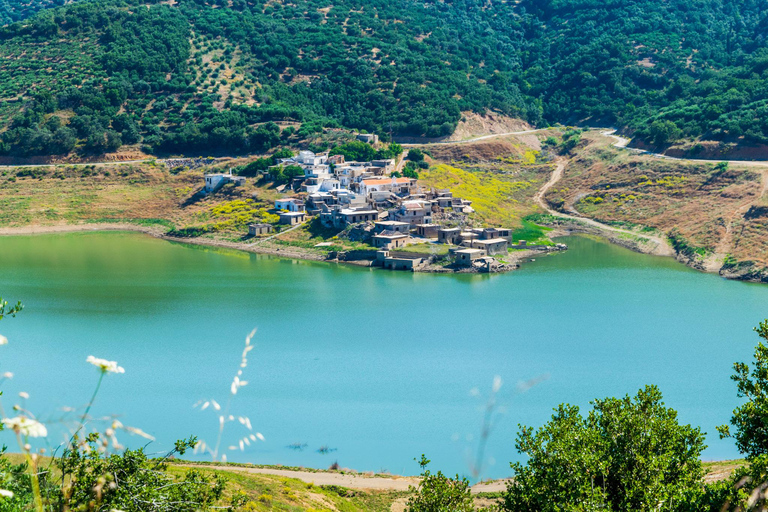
{"x": 351, "y": 481}
{"x": 662, "y": 247}
{"x": 474, "y": 139}
{"x": 623, "y": 142}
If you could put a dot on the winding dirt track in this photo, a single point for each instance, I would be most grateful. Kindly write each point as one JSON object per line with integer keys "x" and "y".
{"x": 714, "y": 261}
{"x": 662, "y": 245}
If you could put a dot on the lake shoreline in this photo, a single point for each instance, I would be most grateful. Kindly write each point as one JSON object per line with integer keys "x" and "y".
{"x": 638, "y": 243}
{"x": 635, "y": 244}
{"x": 288, "y": 252}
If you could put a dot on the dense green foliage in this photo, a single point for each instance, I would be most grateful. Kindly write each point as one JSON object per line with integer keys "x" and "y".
{"x": 15, "y": 10}
{"x": 439, "y": 493}
{"x": 381, "y": 66}
{"x": 665, "y": 69}
{"x": 750, "y": 423}
{"x": 627, "y": 454}
{"x": 357, "y": 151}
{"x": 206, "y": 75}
{"x": 750, "y": 420}
{"x": 14, "y": 478}
{"x": 130, "y": 481}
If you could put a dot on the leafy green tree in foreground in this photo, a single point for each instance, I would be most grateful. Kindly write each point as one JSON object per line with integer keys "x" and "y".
{"x": 747, "y": 488}
{"x": 628, "y": 454}
{"x": 439, "y": 493}
{"x": 750, "y": 421}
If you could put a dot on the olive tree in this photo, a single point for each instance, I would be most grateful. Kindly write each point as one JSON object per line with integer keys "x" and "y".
{"x": 628, "y": 453}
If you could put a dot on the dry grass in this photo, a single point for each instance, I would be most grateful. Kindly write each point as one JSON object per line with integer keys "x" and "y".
{"x": 705, "y": 205}
{"x": 144, "y": 194}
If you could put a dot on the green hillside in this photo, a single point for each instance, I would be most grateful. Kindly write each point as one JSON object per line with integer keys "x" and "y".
{"x": 191, "y": 76}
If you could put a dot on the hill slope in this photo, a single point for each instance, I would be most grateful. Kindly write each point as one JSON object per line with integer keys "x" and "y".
{"x": 194, "y": 76}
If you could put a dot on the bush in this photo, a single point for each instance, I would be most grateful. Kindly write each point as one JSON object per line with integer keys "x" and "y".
{"x": 131, "y": 481}
{"x": 438, "y": 493}
{"x": 355, "y": 151}
{"x": 410, "y": 173}
{"x": 256, "y": 167}
{"x": 416, "y": 155}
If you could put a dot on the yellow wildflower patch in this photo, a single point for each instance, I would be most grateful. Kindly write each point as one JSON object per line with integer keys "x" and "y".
{"x": 494, "y": 197}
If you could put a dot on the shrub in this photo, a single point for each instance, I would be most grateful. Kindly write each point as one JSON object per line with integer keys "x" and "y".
{"x": 416, "y": 155}
{"x": 439, "y": 493}
{"x": 131, "y": 481}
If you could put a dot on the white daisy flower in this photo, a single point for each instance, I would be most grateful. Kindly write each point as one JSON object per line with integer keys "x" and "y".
{"x": 26, "y": 426}
{"x": 104, "y": 365}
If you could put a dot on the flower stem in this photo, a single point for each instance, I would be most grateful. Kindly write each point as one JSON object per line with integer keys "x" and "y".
{"x": 87, "y": 408}
{"x": 90, "y": 403}
{"x": 221, "y": 429}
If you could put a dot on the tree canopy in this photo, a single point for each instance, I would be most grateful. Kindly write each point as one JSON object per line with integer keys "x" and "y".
{"x": 628, "y": 453}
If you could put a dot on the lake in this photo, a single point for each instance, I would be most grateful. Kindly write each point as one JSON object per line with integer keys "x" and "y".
{"x": 377, "y": 366}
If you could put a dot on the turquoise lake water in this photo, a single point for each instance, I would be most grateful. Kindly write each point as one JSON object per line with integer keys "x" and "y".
{"x": 377, "y": 366}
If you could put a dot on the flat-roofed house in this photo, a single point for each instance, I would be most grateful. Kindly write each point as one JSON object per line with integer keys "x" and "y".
{"x": 465, "y": 257}
{"x": 461, "y": 205}
{"x": 259, "y": 229}
{"x": 449, "y": 235}
{"x": 427, "y": 230}
{"x": 414, "y": 212}
{"x": 369, "y": 138}
{"x": 387, "y": 165}
{"x": 214, "y": 182}
{"x": 403, "y": 261}
{"x": 339, "y": 217}
{"x": 292, "y": 218}
{"x": 290, "y": 204}
{"x": 396, "y": 185}
{"x": 492, "y": 246}
{"x": 350, "y": 216}
{"x": 504, "y": 233}
{"x": 392, "y": 225}
{"x": 348, "y": 174}
{"x": 389, "y": 240}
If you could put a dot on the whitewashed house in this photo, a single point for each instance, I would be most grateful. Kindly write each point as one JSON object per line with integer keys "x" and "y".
{"x": 396, "y": 185}
{"x": 290, "y": 204}
{"x": 214, "y": 182}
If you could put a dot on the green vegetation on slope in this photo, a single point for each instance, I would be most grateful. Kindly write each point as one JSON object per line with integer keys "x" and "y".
{"x": 206, "y": 75}
{"x": 196, "y": 77}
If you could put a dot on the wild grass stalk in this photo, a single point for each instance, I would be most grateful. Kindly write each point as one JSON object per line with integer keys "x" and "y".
{"x": 492, "y": 412}
{"x": 224, "y": 417}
